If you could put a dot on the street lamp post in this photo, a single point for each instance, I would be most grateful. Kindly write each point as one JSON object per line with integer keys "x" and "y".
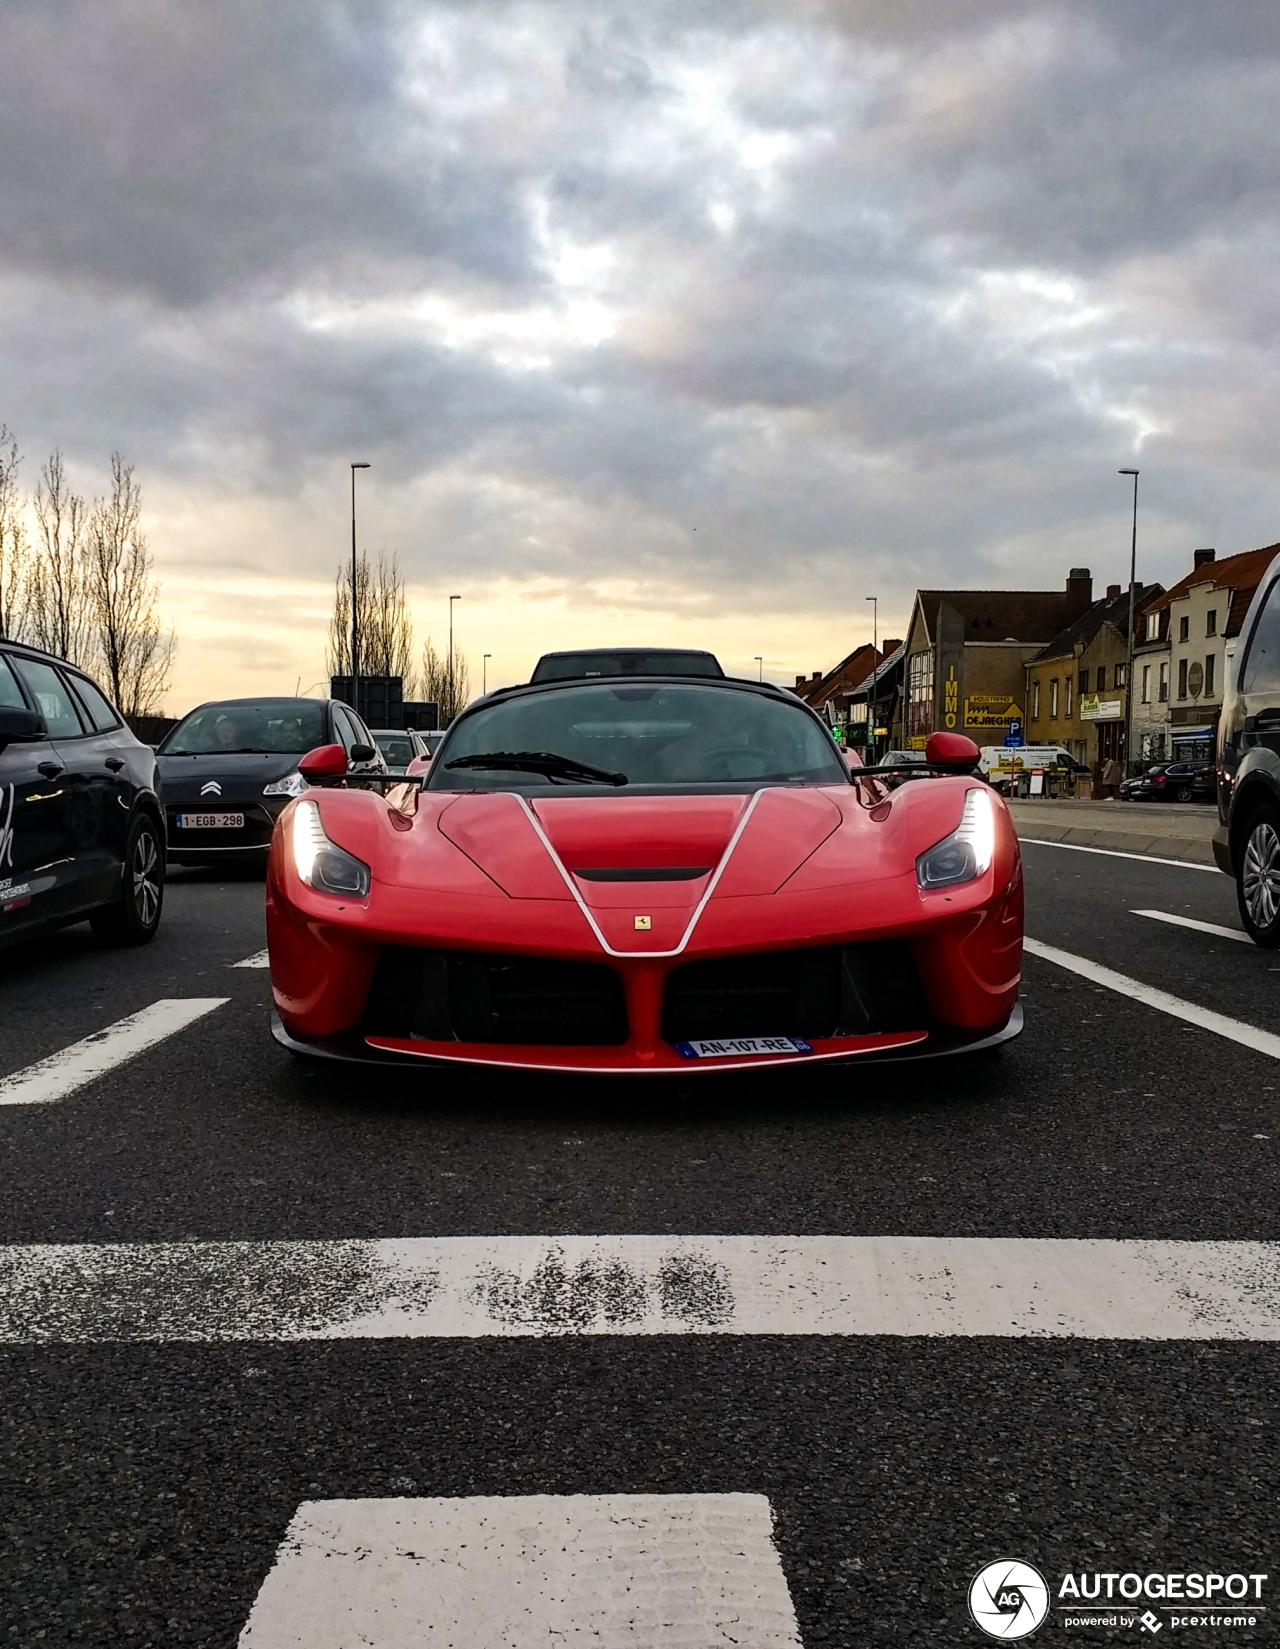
{"x": 355, "y": 623}
{"x": 1128, "y": 669}
{"x": 484, "y": 674}
{"x": 452, "y": 706}
{"x": 760, "y": 661}
{"x": 875, "y": 661}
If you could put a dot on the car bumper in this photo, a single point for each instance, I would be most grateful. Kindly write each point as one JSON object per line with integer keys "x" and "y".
{"x": 352, "y": 1048}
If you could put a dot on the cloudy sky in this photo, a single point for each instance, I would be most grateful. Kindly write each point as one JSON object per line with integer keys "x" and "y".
{"x": 673, "y": 319}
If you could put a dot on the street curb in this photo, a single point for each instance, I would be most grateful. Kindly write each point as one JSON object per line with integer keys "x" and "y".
{"x": 1119, "y": 841}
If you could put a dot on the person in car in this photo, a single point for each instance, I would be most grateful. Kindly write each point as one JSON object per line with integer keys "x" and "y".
{"x": 227, "y": 734}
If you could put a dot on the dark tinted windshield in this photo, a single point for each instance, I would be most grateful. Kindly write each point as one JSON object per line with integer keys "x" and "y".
{"x": 279, "y": 726}
{"x": 660, "y": 733}
{"x": 673, "y": 662}
{"x": 396, "y": 747}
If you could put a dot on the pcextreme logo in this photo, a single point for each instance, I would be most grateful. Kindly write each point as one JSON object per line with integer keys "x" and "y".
{"x": 6, "y": 827}
{"x": 1008, "y": 1599}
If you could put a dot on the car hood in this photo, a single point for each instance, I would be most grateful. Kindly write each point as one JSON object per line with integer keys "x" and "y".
{"x": 239, "y": 778}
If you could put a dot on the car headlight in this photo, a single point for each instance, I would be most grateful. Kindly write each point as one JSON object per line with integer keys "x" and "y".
{"x": 321, "y": 863}
{"x": 292, "y": 785}
{"x": 969, "y": 849}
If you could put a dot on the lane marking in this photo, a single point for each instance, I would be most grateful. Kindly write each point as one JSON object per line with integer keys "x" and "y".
{"x": 1235, "y": 1030}
{"x": 616, "y": 1571}
{"x": 1190, "y": 922}
{"x": 71, "y": 1068}
{"x": 511, "y": 1287}
{"x": 259, "y": 959}
{"x": 1115, "y": 853}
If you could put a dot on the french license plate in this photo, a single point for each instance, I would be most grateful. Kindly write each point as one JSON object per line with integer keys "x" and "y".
{"x": 211, "y": 821}
{"x": 731, "y": 1047}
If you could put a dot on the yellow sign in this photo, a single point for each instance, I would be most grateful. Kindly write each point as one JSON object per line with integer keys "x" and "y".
{"x": 990, "y": 710}
{"x": 950, "y": 697}
{"x": 917, "y": 743}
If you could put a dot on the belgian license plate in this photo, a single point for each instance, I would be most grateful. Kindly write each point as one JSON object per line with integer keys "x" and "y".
{"x": 211, "y": 821}
{"x": 731, "y": 1047}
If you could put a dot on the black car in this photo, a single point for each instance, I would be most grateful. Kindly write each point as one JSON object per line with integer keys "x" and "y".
{"x": 1172, "y": 782}
{"x": 1246, "y": 843}
{"x": 626, "y": 661}
{"x": 230, "y": 768}
{"x": 81, "y": 828}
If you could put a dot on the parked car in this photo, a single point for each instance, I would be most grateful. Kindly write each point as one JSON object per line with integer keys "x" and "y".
{"x": 399, "y": 746}
{"x": 229, "y": 768}
{"x": 81, "y": 827}
{"x": 626, "y": 661}
{"x": 1246, "y": 844}
{"x": 900, "y": 758}
{"x": 1172, "y": 782}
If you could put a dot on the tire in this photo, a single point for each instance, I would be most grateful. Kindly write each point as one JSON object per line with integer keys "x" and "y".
{"x": 134, "y": 915}
{"x": 1184, "y": 793}
{"x": 1258, "y": 876}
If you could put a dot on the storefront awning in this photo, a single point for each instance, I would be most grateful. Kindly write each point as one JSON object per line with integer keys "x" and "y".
{"x": 1180, "y": 733}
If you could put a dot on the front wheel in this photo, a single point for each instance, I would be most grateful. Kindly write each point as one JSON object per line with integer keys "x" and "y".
{"x": 1258, "y": 878}
{"x": 134, "y": 915}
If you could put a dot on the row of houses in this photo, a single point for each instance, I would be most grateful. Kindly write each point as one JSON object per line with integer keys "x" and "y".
{"x": 1053, "y": 663}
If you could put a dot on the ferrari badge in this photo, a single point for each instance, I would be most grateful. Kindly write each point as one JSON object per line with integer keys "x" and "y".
{"x": 643, "y": 923}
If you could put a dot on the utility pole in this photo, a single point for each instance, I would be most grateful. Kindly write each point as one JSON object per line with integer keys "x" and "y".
{"x": 875, "y": 664}
{"x": 760, "y": 661}
{"x": 1128, "y": 669}
{"x": 453, "y": 709}
{"x": 355, "y": 623}
{"x": 484, "y": 674}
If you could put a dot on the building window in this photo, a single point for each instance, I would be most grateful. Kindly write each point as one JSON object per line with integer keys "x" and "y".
{"x": 1184, "y": 629}
{"x": 1035, "y": 701}
{"x": 920, "y": 693}
{"x": 1164, "y": 682}
{"x": 1119, "y": 676}
{"x": 1068, "y": 693}
{"x": 1182, "y": 676}
{"x": 1146, "y": 684}
{"x": 1153, "y": 626}
{"x": 1211, "y": 622}
{"x": 1209, "y": 663}
{"x": 1053, "y": 699}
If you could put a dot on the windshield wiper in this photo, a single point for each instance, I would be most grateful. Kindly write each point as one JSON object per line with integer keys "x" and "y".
{"x": 545, "y": 762}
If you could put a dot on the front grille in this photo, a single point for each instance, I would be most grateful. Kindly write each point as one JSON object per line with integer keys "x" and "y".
{"x": 475, "y": 996}
{"x": 832, "y": 990}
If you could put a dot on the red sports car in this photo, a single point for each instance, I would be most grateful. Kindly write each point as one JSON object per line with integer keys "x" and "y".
{"x": 663, "y": 875}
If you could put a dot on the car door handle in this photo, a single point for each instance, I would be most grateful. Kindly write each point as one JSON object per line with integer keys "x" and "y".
{"x": 49, "y": 770}
{"x": 114, "y": 763}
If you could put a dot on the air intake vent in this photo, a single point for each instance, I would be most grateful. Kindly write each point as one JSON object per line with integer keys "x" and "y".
{"x": 475, "y": 996}
{"x": 851, "y": 990}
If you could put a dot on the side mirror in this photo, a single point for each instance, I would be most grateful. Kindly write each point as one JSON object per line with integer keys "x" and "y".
{"x": 21, "y": 726}
{"x": 362, "y": 752}
{"x": 952, "y": 750}
{"x": 327, "y": 761}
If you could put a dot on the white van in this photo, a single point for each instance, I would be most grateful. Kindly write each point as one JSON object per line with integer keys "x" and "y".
{"x": 1001, "y": 764}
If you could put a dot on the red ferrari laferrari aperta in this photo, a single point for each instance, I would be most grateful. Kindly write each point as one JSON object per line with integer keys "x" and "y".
{"x": 642, "y": 876}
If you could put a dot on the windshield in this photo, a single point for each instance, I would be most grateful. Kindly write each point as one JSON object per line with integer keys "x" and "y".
{"x": 276, "y": 726}
{"x": 395, "y": 747}
{"x": 662, "y": 734}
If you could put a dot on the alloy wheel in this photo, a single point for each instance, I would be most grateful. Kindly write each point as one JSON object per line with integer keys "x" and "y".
{"x": 146, "y": 878}
{"x": 1260, "y": 879}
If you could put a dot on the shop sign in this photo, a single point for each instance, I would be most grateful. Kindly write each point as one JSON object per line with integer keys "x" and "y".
{"x": 996, "y": 710}
{"x": 1094, "y": 708}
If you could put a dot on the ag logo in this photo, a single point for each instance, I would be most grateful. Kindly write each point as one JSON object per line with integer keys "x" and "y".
{"x": 1008, "y": 1599}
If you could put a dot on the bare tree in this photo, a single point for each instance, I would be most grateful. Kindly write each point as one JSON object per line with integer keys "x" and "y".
{"x": 134, "y": 655}
{"x": 385, "y": 624}
{"x": 451, "y": 695}
{"x": 57, "y": 615}
{"x": 15, "y": 573}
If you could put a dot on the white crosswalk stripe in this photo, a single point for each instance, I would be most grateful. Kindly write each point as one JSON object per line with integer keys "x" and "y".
{"x": 1205, "y": 1019}
{"x": 72, "y": 1068}
{"x": 467, "y": 1287}
{"x": 616, "y": 1571}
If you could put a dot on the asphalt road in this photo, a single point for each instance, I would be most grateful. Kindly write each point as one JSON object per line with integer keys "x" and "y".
{"x": 145, "y": 1488}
